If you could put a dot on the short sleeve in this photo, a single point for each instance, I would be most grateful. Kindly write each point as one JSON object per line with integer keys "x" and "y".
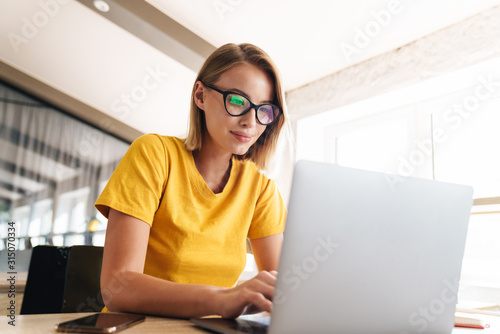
{"x": 270, "y": 212}
{"x": 136, "y": 186}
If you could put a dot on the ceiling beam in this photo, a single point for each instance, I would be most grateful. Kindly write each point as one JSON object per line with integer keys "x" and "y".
{"x": 157, "y": 29}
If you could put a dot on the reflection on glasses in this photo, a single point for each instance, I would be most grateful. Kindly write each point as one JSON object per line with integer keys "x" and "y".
{"x": 238, "y": 105}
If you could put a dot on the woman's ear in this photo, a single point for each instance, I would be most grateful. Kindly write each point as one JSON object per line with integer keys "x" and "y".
{"x": 199, "y": 95}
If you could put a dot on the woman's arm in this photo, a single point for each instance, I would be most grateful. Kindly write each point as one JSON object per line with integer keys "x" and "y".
{"x": 126, "y": 288}
{"x": 267, "y": 251}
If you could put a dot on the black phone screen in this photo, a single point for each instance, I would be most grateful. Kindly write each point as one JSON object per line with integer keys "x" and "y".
{"x": 101, "y": 323}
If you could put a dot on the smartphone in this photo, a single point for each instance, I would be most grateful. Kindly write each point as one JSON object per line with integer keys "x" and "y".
{"x": 107, "y": 322}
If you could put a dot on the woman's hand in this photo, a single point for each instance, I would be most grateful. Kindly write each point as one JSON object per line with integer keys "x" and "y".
{"x": 255, "y": 295}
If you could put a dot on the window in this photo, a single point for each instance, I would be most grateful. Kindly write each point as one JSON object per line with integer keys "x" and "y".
{"x": 468, "y": 154}
{"x": 41, "y": 222}
{"x": 52, "y": 168}
{"x": 373, "y": 143}
{"x": 444, "y": 129}
{"x": 21, "y": 216}
{"x": 71, "y": 211}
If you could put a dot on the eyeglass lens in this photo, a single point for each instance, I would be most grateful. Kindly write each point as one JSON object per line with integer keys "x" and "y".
{"x": 237, "y": 105}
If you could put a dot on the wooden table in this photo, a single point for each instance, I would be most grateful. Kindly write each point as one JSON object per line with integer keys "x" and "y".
{"x": 45, "y": 323}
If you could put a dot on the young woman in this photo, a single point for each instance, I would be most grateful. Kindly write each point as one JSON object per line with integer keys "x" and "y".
{"x": 180, "y": 211}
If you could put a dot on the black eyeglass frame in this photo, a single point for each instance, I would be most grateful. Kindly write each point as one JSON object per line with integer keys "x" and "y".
{"x": 252, "y": 105}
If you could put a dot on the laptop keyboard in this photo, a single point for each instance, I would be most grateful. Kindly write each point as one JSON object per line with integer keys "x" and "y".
{"x": 250, "y": 326}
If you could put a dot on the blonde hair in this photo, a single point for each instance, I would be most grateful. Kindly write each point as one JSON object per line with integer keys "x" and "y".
{"x": 220, "y": 61}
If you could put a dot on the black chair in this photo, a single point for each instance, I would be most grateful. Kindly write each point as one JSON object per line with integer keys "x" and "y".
{"x": 63, "y": 280}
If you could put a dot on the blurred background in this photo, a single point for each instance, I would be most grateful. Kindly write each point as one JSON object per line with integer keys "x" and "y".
{"x": 400, "y": 86}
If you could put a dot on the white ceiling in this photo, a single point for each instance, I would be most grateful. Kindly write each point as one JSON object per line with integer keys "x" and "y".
{"x": 71, "y": 48}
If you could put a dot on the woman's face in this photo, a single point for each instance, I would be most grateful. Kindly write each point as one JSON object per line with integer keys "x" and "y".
{"x": 227, "y": 133}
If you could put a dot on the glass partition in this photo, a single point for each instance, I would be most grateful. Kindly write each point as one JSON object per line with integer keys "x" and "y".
{"x": 52, "y": 168}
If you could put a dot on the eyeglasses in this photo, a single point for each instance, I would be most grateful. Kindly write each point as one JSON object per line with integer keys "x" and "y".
{"x": 238, "y": 105}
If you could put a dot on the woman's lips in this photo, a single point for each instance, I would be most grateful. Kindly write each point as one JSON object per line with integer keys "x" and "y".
{"x": 241, "y": 136}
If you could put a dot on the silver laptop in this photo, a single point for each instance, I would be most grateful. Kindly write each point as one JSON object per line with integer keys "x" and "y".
{"x": 365, "y": 252}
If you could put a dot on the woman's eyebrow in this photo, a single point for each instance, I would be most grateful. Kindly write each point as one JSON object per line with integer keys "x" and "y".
{"x": 236, "y": 90}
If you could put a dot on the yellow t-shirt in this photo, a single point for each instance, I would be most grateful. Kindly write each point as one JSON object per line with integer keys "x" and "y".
{"x": 196, "y": 236}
